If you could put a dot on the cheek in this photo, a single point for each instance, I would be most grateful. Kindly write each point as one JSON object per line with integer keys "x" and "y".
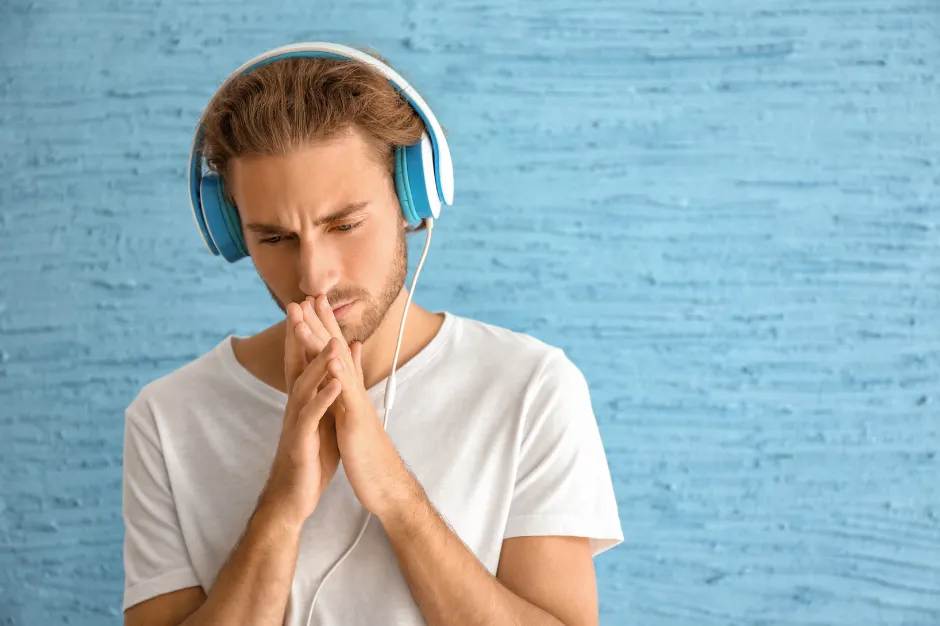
{"x": 277, "y": 270}
{"x": 380, "y": 254}
{"x": 356, "y": 264}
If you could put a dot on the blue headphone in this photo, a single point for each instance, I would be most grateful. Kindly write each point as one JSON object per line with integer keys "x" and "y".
{"x": 424, "y": 172}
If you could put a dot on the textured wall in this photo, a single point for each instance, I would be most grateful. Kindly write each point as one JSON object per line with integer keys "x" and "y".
{"x": 726, "y": 211}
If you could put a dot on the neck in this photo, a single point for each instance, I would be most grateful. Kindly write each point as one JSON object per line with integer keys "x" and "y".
{"x": 379, "y": 350}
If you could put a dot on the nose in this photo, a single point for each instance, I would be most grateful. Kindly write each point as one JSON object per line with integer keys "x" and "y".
{"x": 319, "y": 269}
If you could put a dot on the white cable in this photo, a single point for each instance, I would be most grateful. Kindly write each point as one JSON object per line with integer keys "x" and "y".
{"x": 389, "y": 399}
{"x": 390, "y": 386}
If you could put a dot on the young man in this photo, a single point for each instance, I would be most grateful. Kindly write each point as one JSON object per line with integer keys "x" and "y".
{"x": 260, "y": 486}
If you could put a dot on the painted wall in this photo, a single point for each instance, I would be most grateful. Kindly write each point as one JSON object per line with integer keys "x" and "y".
{"x": 725, "y": 211}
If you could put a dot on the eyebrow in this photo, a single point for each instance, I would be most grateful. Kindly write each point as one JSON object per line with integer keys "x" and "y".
{"x": 335, "y": 216}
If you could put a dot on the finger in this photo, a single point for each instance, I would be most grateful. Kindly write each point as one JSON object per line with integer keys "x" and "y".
{"x": 313, "y": 321}
{"x": 310, "y": 415}
{"x": 356, "y": 350}
{"x": 324, "y": 312}
{"x": 338, "y": 403}
{"x": 313, "y": 341}
{"x": 307, "y": 384}
{"x": 347, "y": 377}
{"x": 294, "y": 355}
{"x": 339, "y": 416}
{"x": 325, "y": 317}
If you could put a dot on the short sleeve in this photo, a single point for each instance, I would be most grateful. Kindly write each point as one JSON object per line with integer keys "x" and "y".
{"x": 155, "y": 557}
{"x": 563, "y": 484}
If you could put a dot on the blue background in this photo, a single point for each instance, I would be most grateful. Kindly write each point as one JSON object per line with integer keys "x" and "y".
{"x": 726, "y": 211}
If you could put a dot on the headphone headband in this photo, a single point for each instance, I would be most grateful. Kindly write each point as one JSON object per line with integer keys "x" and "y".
{"x": 443, "y": 164}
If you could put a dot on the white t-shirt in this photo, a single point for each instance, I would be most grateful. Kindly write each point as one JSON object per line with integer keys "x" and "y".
{"x": 496, "y": 425}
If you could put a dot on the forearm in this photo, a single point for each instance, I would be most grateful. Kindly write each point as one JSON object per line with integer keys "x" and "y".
{"x": 254, "y": 585}
{"x": 448, "y": 582}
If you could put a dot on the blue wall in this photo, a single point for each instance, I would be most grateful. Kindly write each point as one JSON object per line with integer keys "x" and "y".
{"x": 726, "y": 211}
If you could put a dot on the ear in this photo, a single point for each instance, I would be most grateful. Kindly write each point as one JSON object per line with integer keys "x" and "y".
{"x": 421, "y": 226}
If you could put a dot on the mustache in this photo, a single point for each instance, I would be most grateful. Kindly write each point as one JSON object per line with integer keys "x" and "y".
{"x": 335, "y": 296}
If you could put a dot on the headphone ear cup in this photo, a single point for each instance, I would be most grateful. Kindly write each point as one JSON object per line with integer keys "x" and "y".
{"x": 222, "y": 219}
{"x": 402, "y": 187}
{"x": 415, "y": 180}
{"x": 429, "y": 177}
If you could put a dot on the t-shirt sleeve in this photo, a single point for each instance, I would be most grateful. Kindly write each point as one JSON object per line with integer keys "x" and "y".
{"x": 155, "y": 557}
{"x": 563, "y": 484}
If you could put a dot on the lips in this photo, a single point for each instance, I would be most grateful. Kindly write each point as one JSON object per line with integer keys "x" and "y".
{"x": 343, "y": 309}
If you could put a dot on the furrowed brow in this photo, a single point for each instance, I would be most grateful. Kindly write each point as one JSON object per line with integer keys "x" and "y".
{"x": 275, "y": 229}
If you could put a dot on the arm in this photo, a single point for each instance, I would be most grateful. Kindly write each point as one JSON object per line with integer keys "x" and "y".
{"x": 252, "y": 587}
{"x": 546, "y": 581}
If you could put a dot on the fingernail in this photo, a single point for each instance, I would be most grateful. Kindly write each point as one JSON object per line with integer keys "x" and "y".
{"x": 339, "y": 366}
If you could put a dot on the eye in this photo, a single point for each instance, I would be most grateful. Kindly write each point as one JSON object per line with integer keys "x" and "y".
{"x": 342, "y": 228}
{"x": 345, "y": 228}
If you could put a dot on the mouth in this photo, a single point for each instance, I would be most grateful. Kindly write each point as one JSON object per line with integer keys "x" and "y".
{"x": 343, "y": 309}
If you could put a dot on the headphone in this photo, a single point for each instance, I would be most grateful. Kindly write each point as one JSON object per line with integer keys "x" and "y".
{"x": 424, "y": 171}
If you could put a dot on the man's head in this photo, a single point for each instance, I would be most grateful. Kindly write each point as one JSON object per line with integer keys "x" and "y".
{"x": 305, "y": 148}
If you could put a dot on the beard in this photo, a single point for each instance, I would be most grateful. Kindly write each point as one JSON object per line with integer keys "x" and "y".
{"x": 375, "y": 308}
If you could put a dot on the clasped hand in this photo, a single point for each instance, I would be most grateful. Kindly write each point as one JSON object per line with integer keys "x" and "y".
{"x": 372, "y": 464}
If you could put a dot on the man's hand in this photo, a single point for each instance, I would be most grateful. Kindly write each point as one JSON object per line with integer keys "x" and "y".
{"x": 307, "y": 454}
{"x": 376, "y": 472}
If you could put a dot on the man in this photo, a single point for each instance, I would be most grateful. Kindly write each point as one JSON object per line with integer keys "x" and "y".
{"x": 260, "y": 486}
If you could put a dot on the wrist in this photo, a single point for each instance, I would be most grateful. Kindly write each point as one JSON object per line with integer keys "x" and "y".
{"x": 405, "y": 506}
{"x": 275, "y": 515}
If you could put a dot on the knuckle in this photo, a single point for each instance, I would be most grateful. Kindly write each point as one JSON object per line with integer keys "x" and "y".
{"x": 328, "y": 351}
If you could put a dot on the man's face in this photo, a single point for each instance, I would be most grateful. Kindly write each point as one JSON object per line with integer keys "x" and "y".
{"x": 359, "y": 257}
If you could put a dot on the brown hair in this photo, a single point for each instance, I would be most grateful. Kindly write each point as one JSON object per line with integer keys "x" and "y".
{"x": 285, "y": 104}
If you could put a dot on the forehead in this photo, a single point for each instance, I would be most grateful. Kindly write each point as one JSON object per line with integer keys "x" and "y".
{"x": 316, "y": 178}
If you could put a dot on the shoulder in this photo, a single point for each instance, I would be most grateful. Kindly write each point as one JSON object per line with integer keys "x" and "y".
{"x": 516, "y": 355}
{"x": 552, "y": 390}
{"x": 178, "y": 387}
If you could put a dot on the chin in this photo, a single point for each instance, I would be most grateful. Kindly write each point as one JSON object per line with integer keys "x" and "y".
{"x": 352, "y": 331}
